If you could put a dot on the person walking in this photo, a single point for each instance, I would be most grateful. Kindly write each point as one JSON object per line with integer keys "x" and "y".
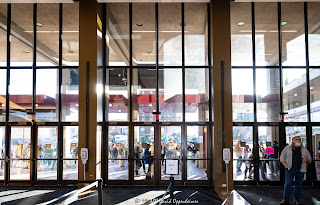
{"x": 294, "y": 158}
{"x": 274, "y": 163}
{"x": 238, "y": 150}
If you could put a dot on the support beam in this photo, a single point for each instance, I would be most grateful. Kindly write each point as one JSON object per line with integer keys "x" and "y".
{"x": 87, "y": 90}
{"x": 220, "y": 49}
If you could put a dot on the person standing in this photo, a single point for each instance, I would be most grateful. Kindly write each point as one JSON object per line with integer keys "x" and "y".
{"x": 294, "y": 158}
{"x": 238, "y": 150}
{"x": 274, "y": 163}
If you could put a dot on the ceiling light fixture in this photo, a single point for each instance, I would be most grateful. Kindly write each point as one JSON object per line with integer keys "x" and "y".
{"x": 241, "y": 24}
{"x": 295, "y": 94}
{"x": 311, "y": 88}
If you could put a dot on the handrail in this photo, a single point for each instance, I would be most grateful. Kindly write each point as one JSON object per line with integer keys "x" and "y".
{"x": 73, "y": 196}
{"x": 170, "y": 187}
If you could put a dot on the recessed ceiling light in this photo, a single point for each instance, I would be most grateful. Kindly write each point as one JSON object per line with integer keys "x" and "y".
{"x": 77, "y": 105}
{"x": 110, "y": 105}
{"x": 25, "y": 51}
{"x": 295, "y": 94}
{"x": 39, "y": 24}
{"x": 241, "y": 24}
{"x": 150, "y": 105}
{"x": 119, "y": 110}
{"x": 283, "y": 23}
{"x": 37, "y": 105}
{"x": 139, "y": 24}
{"x": 311, "y": 88}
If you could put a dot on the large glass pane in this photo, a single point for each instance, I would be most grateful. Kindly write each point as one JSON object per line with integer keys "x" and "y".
{"x": 143, "y": 152}
{"x": 70, "y": 32}
{"x": 3, "y": 84}
{"x": 118, "y": 34}
{"x": 170, "y": 35}
{"x": 47, "y": 34}
{"x": 268, "y": 95}
{"x": 20, "y": 148}
{"x": 197, "y": 169}
{"x": 242, "y": 95}
{"x": 197, "y": 94}
{"x": 70, "y": 94}
{"x": 314, "y": 33}
{"x": 100, "y": 94}
{"x": 2, "y": 143}
{"x": 170, "y": 95}
{"x": 315, "y": 94}
{"x": 241, "y": 34}
{"x": 292, "y": 132}
{"x": 316, "y": 149}
{"x": 267, "y": 46}
{"x": 70, "y": 142}
{"x": 242, "y": 153}
{"x": 3, "y": 35}
{"x": 2, "y": 163}
{"x": 20, "y": 94}
{"x": 269, "y": 153}
{"x": 118, "y": 150}
{"x": 47, "y": 142}
{"x": 197, "y": 142}
{"x": 21, "y": 35}
{"x": 70, "y": 169}
{"x": 46, "y": 169}
{"x": 196, "y": 33}
{"x": 143, "y": 29}
{"x": 117, "y": 91}
{"x": 293, "y": 36}
{"x": 295, "y": 94}
{"x": 144, "y": 94}
{"x": 47, "y": 98}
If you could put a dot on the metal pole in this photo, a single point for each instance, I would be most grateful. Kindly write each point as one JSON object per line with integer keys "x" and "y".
{"x": 100, "y": 192}
{"x": 171, "y": 188}
{"x": 227, "y": 179}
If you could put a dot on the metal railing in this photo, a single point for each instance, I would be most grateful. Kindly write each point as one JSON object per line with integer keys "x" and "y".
{"x": 73, "y": 196}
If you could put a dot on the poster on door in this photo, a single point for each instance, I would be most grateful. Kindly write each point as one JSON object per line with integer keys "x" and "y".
{"x": 172, "y": 167}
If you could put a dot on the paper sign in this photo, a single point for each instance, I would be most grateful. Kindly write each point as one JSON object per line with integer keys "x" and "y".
{"x": 172, "y": 167}
{"x": 269, "y": 151}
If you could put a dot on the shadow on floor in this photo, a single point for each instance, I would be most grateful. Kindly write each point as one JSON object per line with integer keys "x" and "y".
{"x": 273, "y": 195}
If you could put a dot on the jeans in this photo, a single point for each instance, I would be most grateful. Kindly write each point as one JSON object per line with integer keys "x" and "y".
{"x": 274, "y": 165}
{"x": 290, "y": 174}
{"x": 239, "y": 162}
{"x": 261, "y": 168}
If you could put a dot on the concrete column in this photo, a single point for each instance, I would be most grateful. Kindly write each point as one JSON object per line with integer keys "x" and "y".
{"x": 88, "y": 54}
{"x": 221, "y": 51}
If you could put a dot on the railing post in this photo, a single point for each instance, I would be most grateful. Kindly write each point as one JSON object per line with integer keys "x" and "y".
{"x": 171, "y": 188}
{"x": 100, "y": 192}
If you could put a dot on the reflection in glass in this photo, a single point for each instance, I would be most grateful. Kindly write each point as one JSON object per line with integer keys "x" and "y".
{"x": 20, "y": 94}
{"x": 19, "y": 169}
{"x": 70, "y": 142}
{"x": 144, "y": 94}
{"x": 47, "y": 142}
{"x": 266, "y": 36}
{"x": 20, "y": 143}
{"x": 197, "y": 170}
{"x": 170, "y": 35}
{"x": 21, "y": 35}
{"x": 3, "y": 83}
{"x": 242, "y": 153}
{"x": 48, "y": 35}
{"x": 47, "y": 92}
{"x": 118, "y": 34}
{"x": 269, "y": 153}
{"x": 197, "y": 94}
{"x": 292, "y": 132}
{"x": 143, "y": 29}
{"x": 70, "y": 95}
{"x": 47, "y": 170}
{"x": 170, "y": 95}
{"x": 293, "y": 36}
{"x": 196, "y": 34}
{"x": 3, "y": 36}
{"x": 295, "y": 94}
{"x": 314, "y": 33}
{"x": 315, "y": 94}
{"x": 116, "y": 171}
{"x": 267, "y": 93}
{"x": 242, "y": 95}
{"x": 70, "y": 32}
{"x": 241, "y": 34}
{"x": 197, "y": 142}
{"x": 118, "y": 143}
{"x": 70, "y": 170}
{"x": 316, "y": 143}
{"x": 117, "y": 91}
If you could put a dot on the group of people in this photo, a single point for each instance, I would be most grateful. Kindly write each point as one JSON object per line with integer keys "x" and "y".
{"x": 119, "y": 152}
{"x": 144, "y": 156}
{"x": 245, "y": 155}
